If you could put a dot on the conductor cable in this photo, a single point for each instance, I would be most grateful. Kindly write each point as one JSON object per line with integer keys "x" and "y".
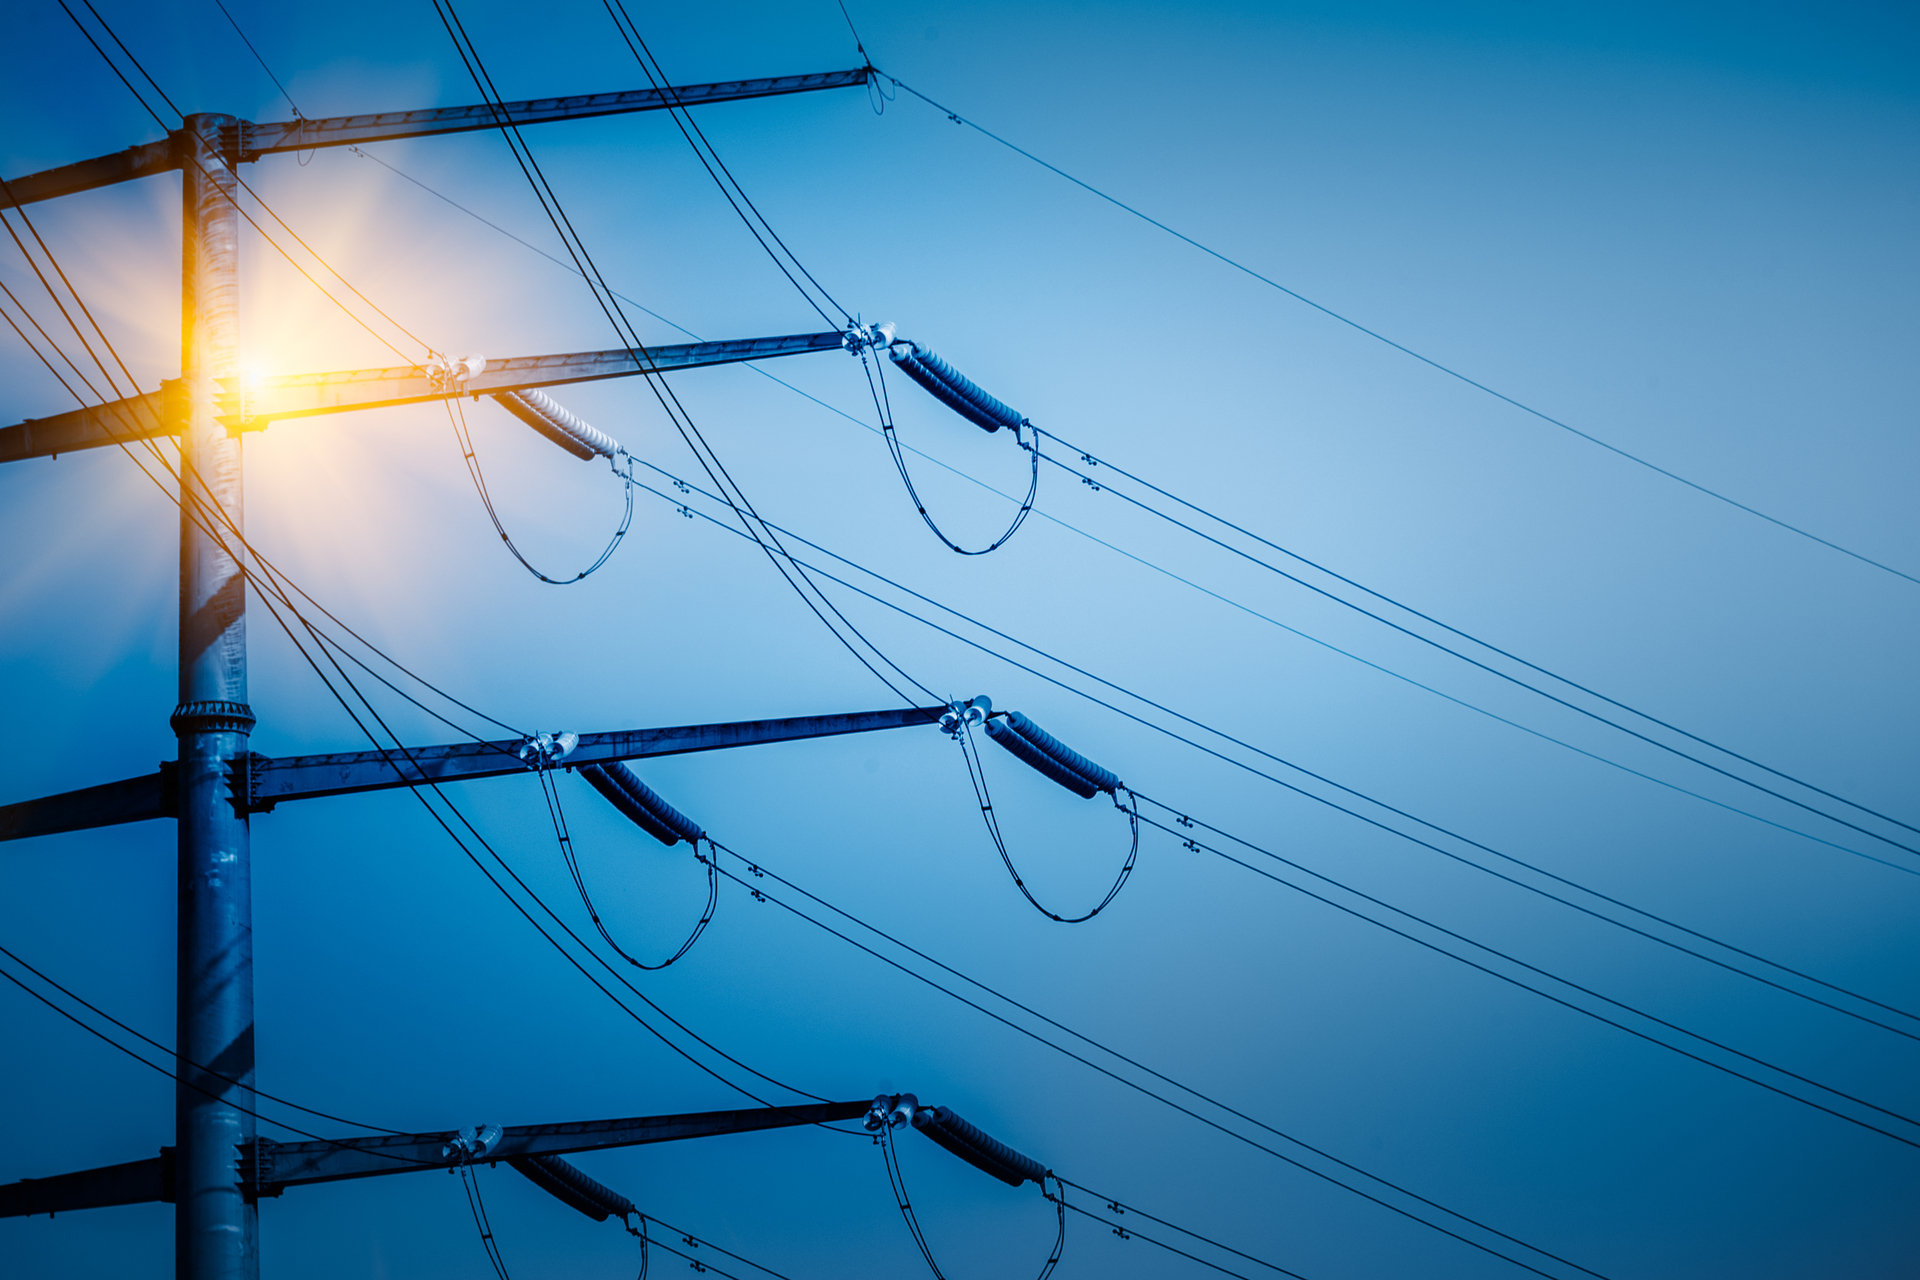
{"x": 1330, "y": 803}
{"x": 1405, "y": 350}
{"x": 760, "y": 871}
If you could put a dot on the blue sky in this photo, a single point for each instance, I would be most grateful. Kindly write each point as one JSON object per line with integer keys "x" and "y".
{"x": 1684, "y": 229}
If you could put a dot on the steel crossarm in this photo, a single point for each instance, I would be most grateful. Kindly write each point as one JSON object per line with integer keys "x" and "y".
{"x": 267, "y": 1168}
{"x": 257, "y": 783}
{"x": 246, "y": 140}
{"x": 250, "y": 404}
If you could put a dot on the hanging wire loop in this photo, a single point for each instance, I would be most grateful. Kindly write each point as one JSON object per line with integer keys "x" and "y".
{"x": 976, "y": 773}
{"x": 896, "y": 1179}
{"x": 550, "y": 790}
{"x": 469, "y": 454}
{"x": 1028, "y": 439}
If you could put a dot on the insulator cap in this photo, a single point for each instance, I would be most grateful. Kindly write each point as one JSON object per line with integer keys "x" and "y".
{"x": 642, "y": 804}
{"x": 952, "y": 388}
{"x": 540, "y": 412}
{"x": 976, "y": 1148}
{"x": 1046, "y": 753}
{"x": 570, "y": 1186}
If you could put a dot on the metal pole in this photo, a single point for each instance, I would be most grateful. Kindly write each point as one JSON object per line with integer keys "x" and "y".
{"x": 215, "y": 1224}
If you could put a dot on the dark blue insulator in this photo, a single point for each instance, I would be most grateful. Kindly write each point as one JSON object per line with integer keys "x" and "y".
{"x": 572, "y": 1187}
{"x": 1050, "y": 756}
{"x": 1102, "y": 779}
{"x": 1009, "y": 737}
{"x": 976, "y": 1148}
{"x": 953, "y": 388}
{"x": 641, "y": 803}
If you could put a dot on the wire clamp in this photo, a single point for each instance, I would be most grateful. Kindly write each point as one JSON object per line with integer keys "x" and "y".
{"x": 890, "y": 1111}
{"x": 964, "y": 715}
{"x": 469, "y": 1146}
{"x": 861, "y": 338}
{"x": 452, "y": 375}
{"x": 545, "y": 750}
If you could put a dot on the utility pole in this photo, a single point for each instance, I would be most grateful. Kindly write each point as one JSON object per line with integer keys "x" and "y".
{"x": 219, "y": 1166}
{"x": 216, "y": 1221}
{"x": 216, "y": 1227}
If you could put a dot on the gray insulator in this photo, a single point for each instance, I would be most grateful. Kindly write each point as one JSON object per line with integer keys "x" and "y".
{"x": 953, "y": 388}
{"x": 976, "y": 1148}
{"x": 570, "y": 1186}
{"x": 641, "y": 803}
{"x": 541, "y": 413}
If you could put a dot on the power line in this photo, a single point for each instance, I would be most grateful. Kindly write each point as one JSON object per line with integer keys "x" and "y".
{"x": 1116, "y": 1206}
{"x": 496, "y": 856}
{"x": 268, "y": 600}
{"x": 202, "y": 1069}
{"x": 690, "y": 129}
{"x": 1495, "y": 649}
{"x": 683, "y": 423}
{"x": 1134, "y": 1085}
{"x": 470, "y": 455}
{"x": 977, "y": 775}
{"x": 1195, "y": 844}
{"x": 1444, "y": 852}
{"x": 1405, "y": 350}
{"x": 234, "y": 171}
{"x": 1161, "y": 569}
{"x": 270, "y": 588}
{"x": 1128, "y": 1233}
{"x": 550, "y": 792}
{"x": 256, "y": 57}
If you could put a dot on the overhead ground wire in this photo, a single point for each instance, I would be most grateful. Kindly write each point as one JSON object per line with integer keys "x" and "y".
{"x": 256, "y": 57}
{"x": 158, "y": 120}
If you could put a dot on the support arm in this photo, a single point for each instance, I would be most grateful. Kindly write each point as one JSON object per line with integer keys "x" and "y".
{"x": 252, "y": 405}
{"x": 260, "y": 782}
{"x": 268, "y": 1168}
{"x": 251, "y": 141}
